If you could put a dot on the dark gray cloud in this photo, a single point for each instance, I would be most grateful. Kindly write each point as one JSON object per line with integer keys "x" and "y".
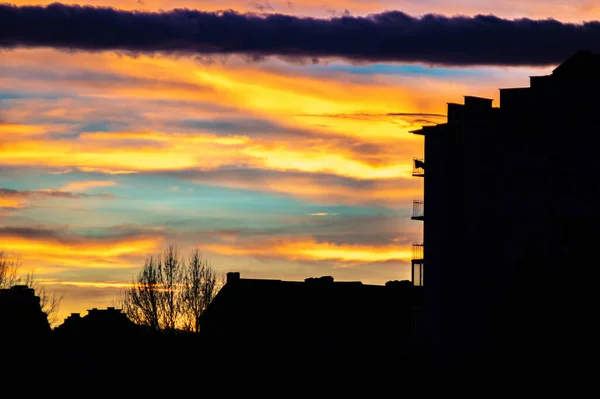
{"x": 32, "y": 233}
{"x": 253, "y": 127}
{"x": 9, "y": 192}
{"x": 71, "y": 237}
{"x": 388, "y": 36}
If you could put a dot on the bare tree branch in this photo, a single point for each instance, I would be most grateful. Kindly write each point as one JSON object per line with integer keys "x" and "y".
{"x": 49, "y": 303}
{"x": 198, "y": 290}
{"x": 9, "y": 271}
{"x": 171, "y": 275}
{"x": 140, "y": 302}
{"x": 171, "y": 293}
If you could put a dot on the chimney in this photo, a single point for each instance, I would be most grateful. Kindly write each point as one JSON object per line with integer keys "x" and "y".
{"x": 233, "y": 277}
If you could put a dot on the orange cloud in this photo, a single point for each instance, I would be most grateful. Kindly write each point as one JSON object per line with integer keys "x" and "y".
{"x": 7, "y": 129}
{"x": 11, "y": 203}
{"x": 342, "y": 113}
{"x": 117, "y": 153}
{"x": 325, "y": 161}
{"x": 93, "y": 284}
{"x": 45, "y": 253}
{"x": 271, "y": 89}
{"x": 306, "y": 248}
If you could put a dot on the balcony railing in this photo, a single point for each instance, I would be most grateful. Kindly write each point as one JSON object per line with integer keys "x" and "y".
{"x": 418, "y": 210}
{"x": 418, "y": 167}
{"x": 417, "y": 251}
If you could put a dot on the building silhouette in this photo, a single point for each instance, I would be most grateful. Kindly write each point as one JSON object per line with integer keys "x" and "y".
{"x": 513, "y": 204}
{"x": 21, "y": 313}
{"x": 98, "y": 322}
{"x": 24, "y": 331}
{"x": 312, "y": 331}
{"x": 88, "y": 347}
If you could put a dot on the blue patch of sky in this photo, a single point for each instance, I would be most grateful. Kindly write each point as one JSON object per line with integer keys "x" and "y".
{"x": 404, "y": 69}
{"x": 214, "y": 125}
{"x": 28, "y": 180}
{"x": 349, "y": 210}
{"x": 148, "y": 199}
{"x": 237, "y": 126}
{"x": 38, "y": 179}
{"x": 157, "y": 200}
{"x": 211, "y": 200}
{"x": 103, "y": 126}
{"x": 148, "y": 190}
{"x": 20, "y": 95}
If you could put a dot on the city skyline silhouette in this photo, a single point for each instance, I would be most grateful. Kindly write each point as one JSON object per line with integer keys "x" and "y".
{"x": 298, "y": 191}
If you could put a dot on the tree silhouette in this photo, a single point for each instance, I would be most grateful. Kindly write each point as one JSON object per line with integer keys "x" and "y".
{"x": 140, "y": 302}
{"x": 199, "y": 288}
{"x": 9, "y": 271}
{"x": 170, "y": 293}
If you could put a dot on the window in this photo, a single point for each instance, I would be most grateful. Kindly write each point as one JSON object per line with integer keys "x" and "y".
{"x": 417, "y": 273}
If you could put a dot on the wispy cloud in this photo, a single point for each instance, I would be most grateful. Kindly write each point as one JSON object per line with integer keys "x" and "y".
{"x": 42, "y": 193}
{"x": 86, "y": 284}
{"x": 78, "y": 186}
{"x": 307, "y": 248}
{"x": 60, "y": 172}
{"x": 317, "y": 187}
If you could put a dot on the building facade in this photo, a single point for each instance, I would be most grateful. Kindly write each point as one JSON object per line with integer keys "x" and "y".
{"x": 312, "y": 330}
{"x": 513, "y": 199}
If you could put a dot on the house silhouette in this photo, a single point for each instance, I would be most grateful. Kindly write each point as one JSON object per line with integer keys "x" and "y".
{"x": 512, "y": 197}
{"x": 21, "y": 314}
{"x": 24, "y": 331}
{"x": 313, "y": 330}
{"x": 86, "y": 347}
{"x": 98, "y": 322}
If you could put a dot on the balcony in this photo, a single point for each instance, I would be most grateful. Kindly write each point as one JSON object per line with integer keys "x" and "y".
{"x": 417, "y": 252}
{"x": 418, "y": 210}
{"x": 418, "y": 265}
{"x": 418, "y": 167}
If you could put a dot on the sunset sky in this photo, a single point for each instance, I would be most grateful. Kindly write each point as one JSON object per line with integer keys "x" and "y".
{"x": 277, "y": 166}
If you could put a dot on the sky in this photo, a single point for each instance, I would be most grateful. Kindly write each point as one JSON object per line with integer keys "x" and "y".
{"x": 276, "y": 151}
